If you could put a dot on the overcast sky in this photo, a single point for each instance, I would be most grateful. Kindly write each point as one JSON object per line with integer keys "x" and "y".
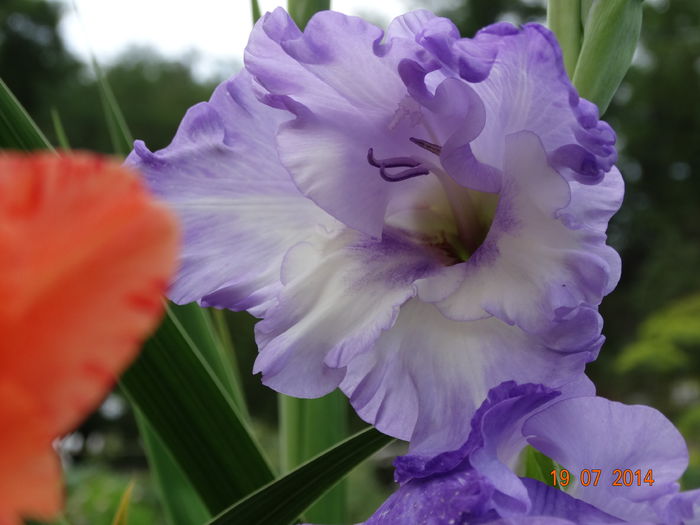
{"x": 217, "y": 29}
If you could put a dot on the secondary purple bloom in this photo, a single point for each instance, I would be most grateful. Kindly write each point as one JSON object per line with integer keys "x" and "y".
{"x": 476, "y": 484}
{"x": 417, "y": 217}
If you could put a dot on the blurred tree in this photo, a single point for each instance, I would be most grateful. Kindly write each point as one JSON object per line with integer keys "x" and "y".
{"x": 33, "y": 58}
{"x": 472, "y": 15}
{"x": 153, "y": 93}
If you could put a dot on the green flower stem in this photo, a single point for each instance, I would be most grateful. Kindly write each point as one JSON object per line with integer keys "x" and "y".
{"x": 255, "y": 8}
{"x": 308, "y": 427}
{"x": 217, "y": 328}
{"x": 302, "y": 10}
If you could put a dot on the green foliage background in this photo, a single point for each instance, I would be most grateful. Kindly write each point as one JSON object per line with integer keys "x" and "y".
{"x": 652, "y": 320}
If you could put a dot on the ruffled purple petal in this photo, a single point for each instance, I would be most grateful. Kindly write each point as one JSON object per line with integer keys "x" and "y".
{"x": 554, "y": 503}
{"x": 339, "y": 294}
{"x": 531, "y": 520}
{"x": 497, "y": 419}
{"x": 427, "y": 361}
{"x": 475, "y": 484}
{"x": 679, "y": 509}
{"x": 459, "y": 499}
{"x": 341, "y": 87}
{"x": 587, "y": 433}
{"x": 237, "y": 224}
{"x": 532, "y": 269}
{"x": 528, "y": 89}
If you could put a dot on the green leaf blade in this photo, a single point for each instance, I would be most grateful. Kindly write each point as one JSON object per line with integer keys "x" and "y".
{"x": 280, "y": 502}
{"x": 17, "y": 129}
{"x": 119, "y": 132}
{"x": 181, "y": 503}
{"x": 307, "y": 428}
{"x": 176, "y": 390}
{"x": 59, "y": 130}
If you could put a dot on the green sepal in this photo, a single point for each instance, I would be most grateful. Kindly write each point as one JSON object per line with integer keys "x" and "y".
{"x": 564, "y": 19}
{"x": 610, "y": 36}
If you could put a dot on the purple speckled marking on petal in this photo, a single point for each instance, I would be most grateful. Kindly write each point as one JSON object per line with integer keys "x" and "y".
{"x": 458, "y": 499}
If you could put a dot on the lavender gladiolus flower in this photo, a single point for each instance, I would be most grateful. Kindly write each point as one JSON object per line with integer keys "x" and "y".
{"x": 416, "y": 217}
{"x": 476, "y": 483}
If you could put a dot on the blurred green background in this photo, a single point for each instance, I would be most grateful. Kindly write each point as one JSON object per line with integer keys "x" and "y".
{"x": 652, "y": 319}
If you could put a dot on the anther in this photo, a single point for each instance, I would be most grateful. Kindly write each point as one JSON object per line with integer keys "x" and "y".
{"x": 415, "y": 168}
{"x": 432, "y": 148}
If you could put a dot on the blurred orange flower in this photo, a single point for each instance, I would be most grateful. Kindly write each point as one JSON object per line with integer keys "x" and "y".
{"x": 85, "y": 255}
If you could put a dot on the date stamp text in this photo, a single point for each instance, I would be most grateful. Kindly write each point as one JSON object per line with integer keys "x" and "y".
{"x": 591, "y": 477}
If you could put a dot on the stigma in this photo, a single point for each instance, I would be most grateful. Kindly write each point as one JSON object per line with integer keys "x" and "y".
{"x": 414, "y": 168}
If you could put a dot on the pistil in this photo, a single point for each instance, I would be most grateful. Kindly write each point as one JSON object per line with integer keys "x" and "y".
{"x": 464, "y": 211}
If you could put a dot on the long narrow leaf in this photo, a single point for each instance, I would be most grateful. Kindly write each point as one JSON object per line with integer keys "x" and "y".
{"x": 177, "y": 391}
{"x": 280, "y": 502}
{"x": 122, "y": 515}
{"x": 17, "y": 129}
{"x": 181, "y": 503}
{"x": 307, "y": 428}
{"x": 59, "y": 130}
{"x": 116, "y": 123}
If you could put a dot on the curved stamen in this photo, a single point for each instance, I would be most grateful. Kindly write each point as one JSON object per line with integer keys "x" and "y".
{"x": 415, "y": 168}
{"x": 432, "y": 148}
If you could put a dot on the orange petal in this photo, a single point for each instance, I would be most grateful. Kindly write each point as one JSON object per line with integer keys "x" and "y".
{"x": 85, "y": 257}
